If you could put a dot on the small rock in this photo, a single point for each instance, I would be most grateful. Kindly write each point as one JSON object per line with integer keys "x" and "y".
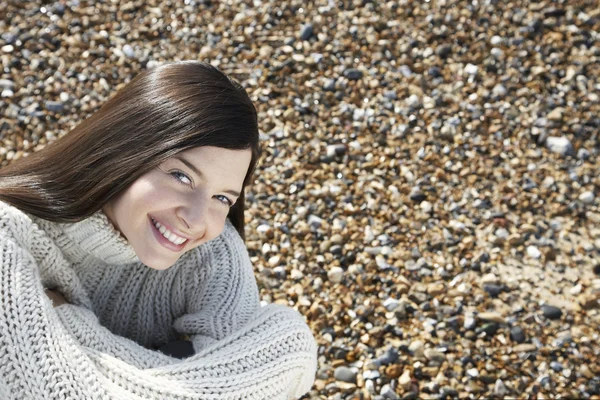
{"x": 335, "y": 275}
{"x": 524, "y": 348}
{"x": 500, "y": 389}
{"x": 443, "y": 50}
{"x": 551, "y": 312}
{"x": 556, "y": 366}
{"x": 496, "y": 40}
{"x": 556, "y": 114}
{"x": 345, "y": 374}
{"x": 405, "y": 380}
{"x": 387, "y": 392}
{"x": 391, "y": 304}
{"x": 517, "y": 334}
{"x": 533, "y": 252}
{"x": 587, "y": 197}
{"x": 371, "y": 374}
{"x": 471, "y": 69}
{"x": 470, "y": 322}
{"x": 128, "y": 51}
{"x": 472, "y": 372}
{"x": 417, "y": 195}
{"x": 6, "y": 84}
{"x": 434, "y": 355}
{"x": 353, "y": 74}
{"x": 493, "y": 290}
{"x": 306, "y": 32}
{"x": 54, "y": 106}
{"x": 336, "y": 149}
{"x": 560, "y": 145}
{"x": 393, "y": 371}
{"x": 416, "y": 346}
{"x": 491, "y": 316}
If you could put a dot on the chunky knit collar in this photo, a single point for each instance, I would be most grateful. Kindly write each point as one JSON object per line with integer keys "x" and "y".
{"x": 97, "y": 236}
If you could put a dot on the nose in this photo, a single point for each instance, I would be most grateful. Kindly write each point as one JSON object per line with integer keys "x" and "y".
{"x": 193, "y": 217}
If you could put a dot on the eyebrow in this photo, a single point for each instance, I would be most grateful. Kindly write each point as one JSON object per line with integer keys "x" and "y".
{"x": 197, "y": 172}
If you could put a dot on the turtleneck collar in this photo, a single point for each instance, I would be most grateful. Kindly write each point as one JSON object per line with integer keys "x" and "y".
{"x": 97, "y": 236}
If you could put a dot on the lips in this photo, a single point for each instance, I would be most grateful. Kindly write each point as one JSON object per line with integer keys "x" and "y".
{"x": 164, "y": 241}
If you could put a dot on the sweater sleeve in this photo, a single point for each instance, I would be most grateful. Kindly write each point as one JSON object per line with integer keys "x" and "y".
{"x": 222, "y": 295}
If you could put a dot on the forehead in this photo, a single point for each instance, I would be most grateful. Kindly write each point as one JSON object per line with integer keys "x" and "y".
{"x": 216, "y": 162}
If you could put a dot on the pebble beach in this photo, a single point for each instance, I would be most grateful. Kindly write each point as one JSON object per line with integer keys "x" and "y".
{"x": 429, "y": 191}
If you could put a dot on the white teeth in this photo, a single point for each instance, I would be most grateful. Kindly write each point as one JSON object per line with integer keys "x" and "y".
{"x": 170, "y": 236}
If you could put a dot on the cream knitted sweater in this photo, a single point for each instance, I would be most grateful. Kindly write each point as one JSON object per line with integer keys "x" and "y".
{"x": 100, "y": 346}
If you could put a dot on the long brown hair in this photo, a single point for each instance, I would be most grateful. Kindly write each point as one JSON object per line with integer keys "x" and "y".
{"x": 161, "y": 112}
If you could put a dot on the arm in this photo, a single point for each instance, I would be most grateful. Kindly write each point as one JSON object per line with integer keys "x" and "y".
{"x": 221, "y": 294}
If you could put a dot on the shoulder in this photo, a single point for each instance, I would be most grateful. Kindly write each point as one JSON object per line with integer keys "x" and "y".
{"x": 13, "y": 218}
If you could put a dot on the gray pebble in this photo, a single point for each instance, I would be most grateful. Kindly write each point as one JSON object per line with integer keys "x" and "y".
{"x": 345, "y": 374}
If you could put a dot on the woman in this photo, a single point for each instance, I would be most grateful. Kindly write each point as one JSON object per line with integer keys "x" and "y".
{"x": 132, "y": 227}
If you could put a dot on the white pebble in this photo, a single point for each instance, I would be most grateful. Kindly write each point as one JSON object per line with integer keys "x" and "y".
{"x": 533, "y": 252}
{"x": 335, "y": 274}
{"x": 496, "y": 40}
{"x": 587, "y": 197}
{"x": 471, "y": 69}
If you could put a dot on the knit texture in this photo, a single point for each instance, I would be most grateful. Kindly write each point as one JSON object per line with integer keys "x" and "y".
{"x": 101, "y": 345}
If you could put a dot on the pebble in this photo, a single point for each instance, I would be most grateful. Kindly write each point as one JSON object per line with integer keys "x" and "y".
{"x": 434, "y": 355}
{"x": 517, "y": 334}
{"x": 306, "y": 32}
{"x": 491, "y": 316}
{"x": 551, "y": 312}
{"x": 471, "y": 69}
{"x": 335, "y": 275}
{"x": 500, "y": 389}
{"x": 587, "y": 197}
{"x": 560, "y": 145}
{"x": 533, "y": 252}
{"x": 405, "y": 380}
{"x": 353, "y": 74}
{"x": 345, "y": 374}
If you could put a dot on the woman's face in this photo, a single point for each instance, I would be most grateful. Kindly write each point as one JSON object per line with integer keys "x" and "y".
{"x": 179, "y": 205}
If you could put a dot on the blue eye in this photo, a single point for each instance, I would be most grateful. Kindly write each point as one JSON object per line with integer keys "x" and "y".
{"x": 181, "y": 178}
{"x": 225, "y": 200}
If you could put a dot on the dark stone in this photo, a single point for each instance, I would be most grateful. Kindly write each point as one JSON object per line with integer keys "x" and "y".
{"x": 417, "y": 195}
{"x": 389, "y": 357}
{"x": 493, "y": 290}
{"x": 554, "y": 12}
{"x": 336, "y": 250}
{"x": 517, "y": 334}
{"x": 453, "y": 322}
{"x": 449, "y": 392}
{"x": 466, "y": 360}
{"x": 353, "y": 74}
{"x": 54, "y": 106}
{"x": 435, "y": 72}
{"x": 551, "y": 312}
{"x": 306, "y": 32}
{"x": 597, "y": 269}
{"x": 490, "y": 328}
{"x": 593, "y": 387}
{"x": 339, "y": 353}
{"x": 410, "y": 396}
{"x": 443, "y": 51}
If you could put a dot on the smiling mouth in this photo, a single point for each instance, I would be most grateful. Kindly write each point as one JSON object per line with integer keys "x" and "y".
{"x": 167, "y": 238}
